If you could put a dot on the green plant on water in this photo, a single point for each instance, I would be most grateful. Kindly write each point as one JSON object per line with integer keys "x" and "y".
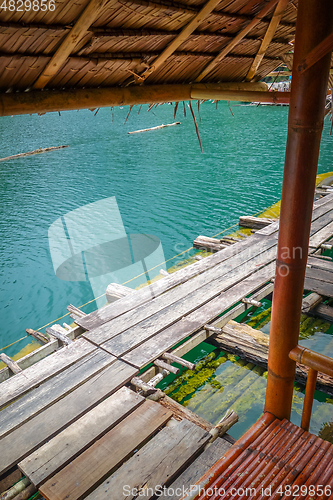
{"x": 307, "y": 323}
{"x": 258, "y": 318}
{"x": 326, "y": 432}
{"x": 190, "y": 380}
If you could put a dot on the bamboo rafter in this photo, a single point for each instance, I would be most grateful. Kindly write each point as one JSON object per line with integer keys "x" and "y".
{"x": 78, "y": 31}
{"x": 183, "y": 35}
{"x": 236, "y": 40}
{"x": 273, "y": 25}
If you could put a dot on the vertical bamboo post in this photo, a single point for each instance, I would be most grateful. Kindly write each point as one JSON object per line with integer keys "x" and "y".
{"x": 308, "y": 399}
{"x": 306, "y": 115}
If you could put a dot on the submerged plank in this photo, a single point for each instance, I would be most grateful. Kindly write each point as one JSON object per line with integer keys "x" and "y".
{"x": 156, "y": 464}
{"x": 63, "y": 448}
{"x": 27, "y": 438}
{"x": 133, "y": 337}
{"x": 48, "y": 367}
{"x": 94, "y": 464}
{"x": 149, "y": 292}
{"x": 52, "y": 390}
{"x": 154, "y": 347}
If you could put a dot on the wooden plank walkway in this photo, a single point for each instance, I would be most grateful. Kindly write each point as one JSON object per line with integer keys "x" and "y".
{"x": 70, "y": 423}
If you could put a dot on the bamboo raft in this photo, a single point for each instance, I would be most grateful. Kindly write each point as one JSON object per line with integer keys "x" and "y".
{"x": 54, "y": 429}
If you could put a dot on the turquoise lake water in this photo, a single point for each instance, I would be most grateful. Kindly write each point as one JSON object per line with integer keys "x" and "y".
{"x": 160, "y": 181}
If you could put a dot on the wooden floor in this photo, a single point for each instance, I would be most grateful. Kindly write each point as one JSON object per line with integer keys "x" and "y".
{"x": 72, "y": 423}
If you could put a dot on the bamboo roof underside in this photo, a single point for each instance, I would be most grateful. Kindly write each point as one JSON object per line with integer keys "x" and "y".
{"x": 124, "y": 37}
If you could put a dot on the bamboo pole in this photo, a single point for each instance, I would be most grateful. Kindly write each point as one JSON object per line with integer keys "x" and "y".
{"x": 183, "y": 35}
{"x": 236, "y": 40}
{"x": 263, "y": 97}
{"x": 305, "y": 124}
{"x": 276, "y": 18}
{"x": 76, "y": 34}
{"x": 47, "y": 101}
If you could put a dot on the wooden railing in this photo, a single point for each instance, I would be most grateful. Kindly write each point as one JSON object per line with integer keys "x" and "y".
{"x": 316, "y": 363}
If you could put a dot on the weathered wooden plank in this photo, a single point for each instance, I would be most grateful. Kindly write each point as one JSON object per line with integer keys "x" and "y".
{"x": 320, "y": 222}
{"x": 235, "y": 266}
{"x": 101, "y": 459}
{"x": 193, "y": 473}
{"x": 24, "y": 440}
{"x": 154, "y": 347}
{"x": 125, "y": 304}
{"x": 22, "y": 382}
{"x": 321, "y": 287}
{"x": 132, "y": 337}
{"x": 319, "y": 274}
{"x": 255, "y": 222}
{"x": 156, "y": 464}
{"x": 38, "y": 354}
{"x": 52, "y": 390}
{"x": 322, "y": 235}
{"x": 63, "y": 448}
{"x": 320, "y": 263}
{"x": 322, "y": 201}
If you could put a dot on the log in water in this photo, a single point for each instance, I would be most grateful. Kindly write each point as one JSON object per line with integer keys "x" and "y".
{"x": 35, "y": 152}
{"x": 154, "y": 128}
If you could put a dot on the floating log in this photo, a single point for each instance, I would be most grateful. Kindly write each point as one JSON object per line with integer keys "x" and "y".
{"x": 38, "y": 336}
{"x": 252, "y": 345}
{"x": 143, "y": 386}
{"x": 55, "y": 332}
{"x": 35, "y": 152}
{"x": 76, "y": 311}
{"x": 166, "y": 366}
{"x": 16, "y": 489}
{"x": 12, "y": 365}
{"x": 176, "y": 359}
{"x": 208, "y": 243}
{"x": 115, "y": 291}
{"x": 255, "y": 222}
{"x": 311, "y": 301}
{"x": 154, "y": 128}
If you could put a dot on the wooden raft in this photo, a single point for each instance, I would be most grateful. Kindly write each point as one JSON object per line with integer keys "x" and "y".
{"x": 142, "y": 326}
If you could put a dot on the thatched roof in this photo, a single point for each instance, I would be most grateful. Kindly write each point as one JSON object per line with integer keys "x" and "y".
{"x": 110, "y": 43}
